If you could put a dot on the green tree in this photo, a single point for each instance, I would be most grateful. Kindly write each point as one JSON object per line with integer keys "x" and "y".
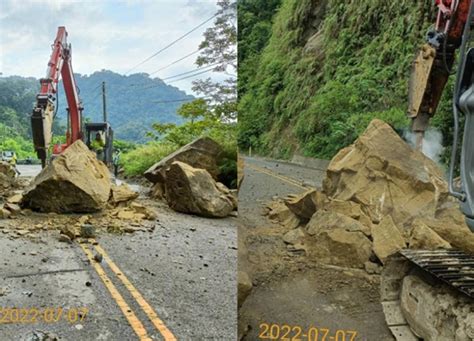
{"x": 194, "y": 110}
{"x": 219, "y": 48}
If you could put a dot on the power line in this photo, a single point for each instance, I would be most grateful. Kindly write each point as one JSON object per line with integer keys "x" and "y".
{"x": 180, "y": 100}
{"x": 172, "y": 43}
{"x": 174, "y": 76}
{"x": 192, "y": 75}
{"x": 176, "y": 61}
{"x": 210, "y": 67}
{"x": 196, "y": 74}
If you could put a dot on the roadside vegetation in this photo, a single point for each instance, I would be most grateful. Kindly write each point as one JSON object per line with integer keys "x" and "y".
{"x": 312, "y": 74}
{"x": 214, "y": 114}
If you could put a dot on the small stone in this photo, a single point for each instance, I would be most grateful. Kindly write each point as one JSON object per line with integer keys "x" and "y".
{"x": 98, "y": 257}
{"x": 15, "y": 199}
{"x": 244, "y": 286}
{"x": 129, "y": 229}
{"x": 294, "y": 236}
{"x": 88, "y": 284}
{"x": 13, "y": 208}
{"x": 69, "y": 231}
{"x": 64, "y": 239}
{"x": 372, "y": 268}
{"x": 87, "y": 231}
{"x": 83, "y": 219}
{"x": 4, "y": 213}
{"x": 126, "y": 214}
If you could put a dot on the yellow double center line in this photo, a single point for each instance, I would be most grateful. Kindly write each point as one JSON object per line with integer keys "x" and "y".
{"x": 286, "y": 179}
{"x": 135, "y": 323}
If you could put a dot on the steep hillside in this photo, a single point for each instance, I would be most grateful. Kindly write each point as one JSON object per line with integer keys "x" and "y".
{"x": 329, "y": 67}
{"x": 134, "y": 102}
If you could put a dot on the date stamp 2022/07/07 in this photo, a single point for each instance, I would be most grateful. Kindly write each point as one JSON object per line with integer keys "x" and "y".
{"x": 283, "y": 332}
{"x": 42, "y": 315}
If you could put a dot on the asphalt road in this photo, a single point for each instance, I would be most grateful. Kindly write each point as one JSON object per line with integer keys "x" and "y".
{"x": 29, "y": 171}
{"x": 266, "y": 179}
{"x": 177, "y": 282}
{"x": 289, "y": 290}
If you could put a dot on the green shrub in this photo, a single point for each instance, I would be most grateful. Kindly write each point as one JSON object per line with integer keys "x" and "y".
{"x": 137, "y": 161}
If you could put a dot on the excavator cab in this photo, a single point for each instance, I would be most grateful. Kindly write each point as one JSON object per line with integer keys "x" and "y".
{"x": 99, "y": 137}
{"x": 464, "y": 105}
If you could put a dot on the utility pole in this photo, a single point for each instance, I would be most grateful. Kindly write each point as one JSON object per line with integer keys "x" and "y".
{"x": 104, "y": 106}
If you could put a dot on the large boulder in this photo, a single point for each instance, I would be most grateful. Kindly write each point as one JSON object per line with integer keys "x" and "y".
{"x": 74, "y": 182}
{"x": 337, "y": 239}
{"x": 279, "y": 213}
{"x": 388, "y": 239}
{"x": 201, "y": 153}
{"x": 458, "y": 235}
{"x": 350, "y": 209}
{"x": 193, "y": 190}
{"x": 422, "y": 237}
{"x": 386, "y": 176}
{"x": 304, "y": 205}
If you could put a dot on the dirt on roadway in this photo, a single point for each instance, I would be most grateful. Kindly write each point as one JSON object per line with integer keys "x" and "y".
{"x": 183, "y": 266}
{"x": 288, "y": 289}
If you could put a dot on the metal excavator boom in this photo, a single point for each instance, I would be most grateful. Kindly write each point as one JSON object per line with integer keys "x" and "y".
{"x": 45, "y": 109}
{"x": 433, "y": 63}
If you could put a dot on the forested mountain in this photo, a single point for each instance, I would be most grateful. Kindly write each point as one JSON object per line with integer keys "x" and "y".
{"x": 313, "y": 73}
{"x": 134, "y": 103}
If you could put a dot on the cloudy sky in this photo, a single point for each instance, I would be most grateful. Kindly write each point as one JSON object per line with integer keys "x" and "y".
{"x": 105, "y": 34}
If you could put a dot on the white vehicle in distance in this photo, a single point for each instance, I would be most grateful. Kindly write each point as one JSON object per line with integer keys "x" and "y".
{"x": 7, "y": 155}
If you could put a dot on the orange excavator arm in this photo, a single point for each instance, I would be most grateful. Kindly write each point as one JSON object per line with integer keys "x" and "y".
{"x": 45, "y": 109}
{"x": 433, "y": 63}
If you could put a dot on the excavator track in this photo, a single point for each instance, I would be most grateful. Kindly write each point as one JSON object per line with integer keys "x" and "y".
{"x": 454, "y": 268}
{"x": 450, "y": 270}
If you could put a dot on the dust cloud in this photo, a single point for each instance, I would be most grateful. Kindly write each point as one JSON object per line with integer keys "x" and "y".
{"x": 432, "y": 143}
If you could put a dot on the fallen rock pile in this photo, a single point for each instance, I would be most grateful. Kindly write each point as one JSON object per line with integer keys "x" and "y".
{"x": 187, "y": 180}
{"x": 379, "y": 196}
{"x": 76, "y": 182}
{"x": 201, "y": 153}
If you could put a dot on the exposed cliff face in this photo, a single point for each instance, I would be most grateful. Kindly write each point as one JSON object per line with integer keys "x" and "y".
{"x": 328, "y": 69}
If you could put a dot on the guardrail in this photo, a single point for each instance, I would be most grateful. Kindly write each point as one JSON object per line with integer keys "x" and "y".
{"x": 28, "y": 162}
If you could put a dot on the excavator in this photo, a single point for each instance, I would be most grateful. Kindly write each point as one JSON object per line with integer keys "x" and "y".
{"x": 429, "y": 294}
{"x": 46, "y": 107}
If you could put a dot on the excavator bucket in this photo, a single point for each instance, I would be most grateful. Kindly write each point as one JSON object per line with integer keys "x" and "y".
{"x": 418, "y": 110}
{"x": 419, "y": 79}
{"x": 41, "y": 125}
